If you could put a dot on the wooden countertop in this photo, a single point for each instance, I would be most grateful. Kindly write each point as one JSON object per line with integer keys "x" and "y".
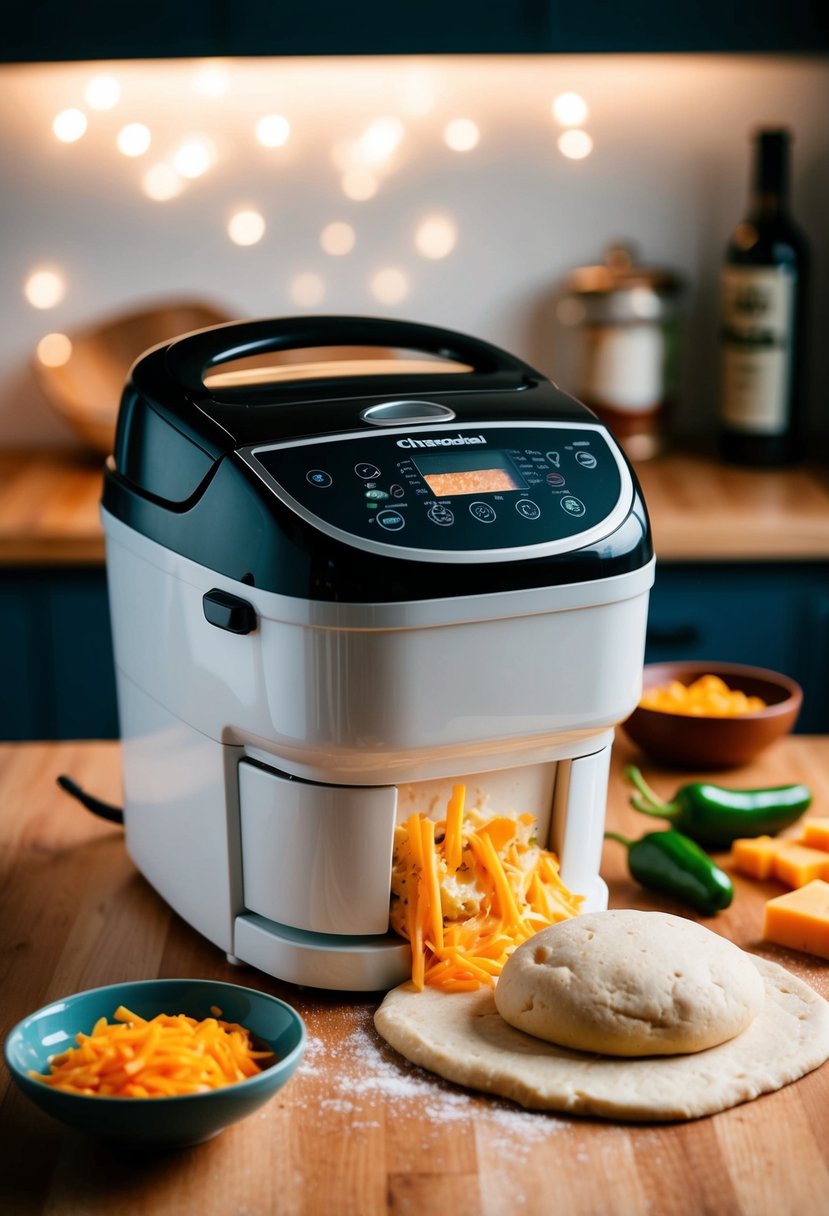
{"x": 358, "y": 1131}
{"x": 700, "y": 510}
{"x": 49, "y": 509}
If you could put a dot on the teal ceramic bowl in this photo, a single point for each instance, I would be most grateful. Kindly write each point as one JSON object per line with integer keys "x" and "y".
{"x": 171, "y": 1121}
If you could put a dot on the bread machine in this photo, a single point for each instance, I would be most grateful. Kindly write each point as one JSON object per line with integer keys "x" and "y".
{"x": 336, "y": 595}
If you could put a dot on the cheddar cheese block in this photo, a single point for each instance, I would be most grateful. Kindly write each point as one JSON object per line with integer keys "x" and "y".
{"x": 755, "y": 856}
{"x": 792, "y": 862}
{"x": 796, "y": 864}
{"x": 816, "y": 834}
{"x": 800, "y": 919}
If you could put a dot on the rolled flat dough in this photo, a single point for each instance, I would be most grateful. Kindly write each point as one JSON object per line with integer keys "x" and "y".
{"x": 462, "y": 1037}
{"x": 630, "y": 983}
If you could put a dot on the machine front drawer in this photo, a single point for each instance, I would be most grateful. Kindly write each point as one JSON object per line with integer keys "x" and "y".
{"x": 316, "y": 857}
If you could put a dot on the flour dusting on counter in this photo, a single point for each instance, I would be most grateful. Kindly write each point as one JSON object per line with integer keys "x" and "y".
{"x": 360, "y": 1067}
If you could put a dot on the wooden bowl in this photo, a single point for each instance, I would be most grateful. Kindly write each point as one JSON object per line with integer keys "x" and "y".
{"x": 713, "y": 743}
{"x": 86, "y": 390}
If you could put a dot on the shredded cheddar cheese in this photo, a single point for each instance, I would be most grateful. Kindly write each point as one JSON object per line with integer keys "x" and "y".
{"x": 467, "y": 890}
{"x": 167, "y": 1056}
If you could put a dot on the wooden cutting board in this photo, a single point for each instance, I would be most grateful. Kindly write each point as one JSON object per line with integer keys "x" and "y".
{"x": 357, "y": 1130}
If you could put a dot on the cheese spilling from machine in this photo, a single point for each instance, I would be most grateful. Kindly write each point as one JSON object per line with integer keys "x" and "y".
{"x": 337, "y": 589}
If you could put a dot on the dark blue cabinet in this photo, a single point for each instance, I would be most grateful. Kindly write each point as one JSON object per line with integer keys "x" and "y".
{"x": 52, "y": 30}
{"x": 98, "y": 29}
{"x": 767, "y": 613}
{"x": 705, "y": 26}
{"x": 58, "y": 677}
{"x": 56, "y": 662}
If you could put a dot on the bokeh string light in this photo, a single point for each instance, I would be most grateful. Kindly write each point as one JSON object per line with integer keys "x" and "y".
{"x": 363, "y": 158}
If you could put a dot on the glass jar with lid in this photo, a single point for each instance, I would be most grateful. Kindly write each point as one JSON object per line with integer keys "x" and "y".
{"x": 627, "y": 317}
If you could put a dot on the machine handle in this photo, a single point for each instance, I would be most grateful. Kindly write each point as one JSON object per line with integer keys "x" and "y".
{"x": 189, "y": 358}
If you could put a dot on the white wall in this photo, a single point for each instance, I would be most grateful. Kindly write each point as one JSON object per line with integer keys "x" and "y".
{"x": 669, "y": 170}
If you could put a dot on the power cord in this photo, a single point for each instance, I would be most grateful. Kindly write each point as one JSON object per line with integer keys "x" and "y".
{"x": 114, "y": 814}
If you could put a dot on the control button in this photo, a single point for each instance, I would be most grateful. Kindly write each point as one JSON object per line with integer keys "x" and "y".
{"x": 391, "y": 520}
{"x": 376, "y": 494}
{"x": 555, "y": 479}
{"x": 397, "y": 491}
{"x": 318, "y": 477}
{"x": 441, "y": 515}
{"x": 573, "y": 506}
{"x": 586, "y": 459}
{"x": 527, "y": 508}
{"x": 227, "y": 611}
{"x": 482, "y": 511}
{"x": 367, "y": 471}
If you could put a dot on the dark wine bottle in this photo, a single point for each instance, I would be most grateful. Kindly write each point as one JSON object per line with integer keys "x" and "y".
{"x": 763, "y": 299}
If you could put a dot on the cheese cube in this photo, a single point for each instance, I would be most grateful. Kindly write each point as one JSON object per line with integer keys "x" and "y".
{"x": 800, "y": 919}
{"x": 795, "y": 865}
{"x": 816, "y": 833}
{"x": 755, "y": 856}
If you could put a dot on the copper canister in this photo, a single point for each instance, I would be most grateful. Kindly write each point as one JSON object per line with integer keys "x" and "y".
{"x": 627, "y": 316}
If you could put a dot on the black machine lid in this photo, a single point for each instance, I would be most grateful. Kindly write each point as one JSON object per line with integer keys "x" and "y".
{"x": 169, "y": 389}
{"x": 192, "y": 445}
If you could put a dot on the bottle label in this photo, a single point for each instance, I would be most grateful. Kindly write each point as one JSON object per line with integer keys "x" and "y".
{"x": 757, "y": 321}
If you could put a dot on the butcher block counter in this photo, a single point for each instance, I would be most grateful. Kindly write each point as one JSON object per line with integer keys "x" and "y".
{"x": 700, "y": 509}
{"x": 358, "y": 1130}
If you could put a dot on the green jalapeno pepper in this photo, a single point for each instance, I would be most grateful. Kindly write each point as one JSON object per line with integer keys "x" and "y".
{"x": 675, "y": 865}
{"x": 715, "y": 816}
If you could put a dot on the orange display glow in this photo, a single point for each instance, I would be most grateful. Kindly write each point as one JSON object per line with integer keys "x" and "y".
{"x": 471, "y": 481}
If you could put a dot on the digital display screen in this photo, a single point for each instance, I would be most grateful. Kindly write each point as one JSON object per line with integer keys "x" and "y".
{"x": 469, "y": 473}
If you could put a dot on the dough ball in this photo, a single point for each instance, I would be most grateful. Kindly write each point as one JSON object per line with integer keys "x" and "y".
{"x": 630, "y": 983}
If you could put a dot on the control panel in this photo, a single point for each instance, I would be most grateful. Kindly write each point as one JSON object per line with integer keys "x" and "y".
{"x": 454, "y": 490}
